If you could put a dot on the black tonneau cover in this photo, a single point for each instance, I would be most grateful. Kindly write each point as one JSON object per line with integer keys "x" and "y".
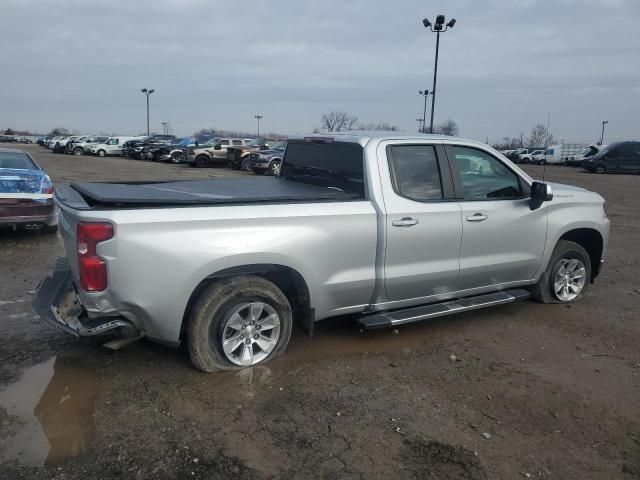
{"x": 200, "y": 192}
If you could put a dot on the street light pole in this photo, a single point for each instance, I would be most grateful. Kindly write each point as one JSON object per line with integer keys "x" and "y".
{"x": 258, "y": 117}
{"x": 420, "y": 124}
{"x": 437, "y": 28}
{"x": 604, "y": 122}
{"x": 147, "y": 92}
{"x": 425, "y": 94}
{"x": 164, "y": 128}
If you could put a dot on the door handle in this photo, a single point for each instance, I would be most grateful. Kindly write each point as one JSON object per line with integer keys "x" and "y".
{"x": 405, "y": 222}
{"x": 477, "y": 217}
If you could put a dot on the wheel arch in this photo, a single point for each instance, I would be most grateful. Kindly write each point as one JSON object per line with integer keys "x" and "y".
{"x": 591, "y": 240}
{"x": 287, "y": 279}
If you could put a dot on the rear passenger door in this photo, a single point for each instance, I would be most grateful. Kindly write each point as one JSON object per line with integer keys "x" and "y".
{"x": 422, "y": 222}
{"x": 502, "y": 238}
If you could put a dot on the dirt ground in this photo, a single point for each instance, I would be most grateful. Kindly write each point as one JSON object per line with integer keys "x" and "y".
{"x": 534, "y": 391}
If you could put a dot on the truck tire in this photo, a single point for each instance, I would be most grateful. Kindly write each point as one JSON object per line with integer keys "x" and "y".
{"x": 274, "y": 167}
{"x": 201, "y": 161}
{"x": 567, "y": 276}
{"x": 238, "y": 322}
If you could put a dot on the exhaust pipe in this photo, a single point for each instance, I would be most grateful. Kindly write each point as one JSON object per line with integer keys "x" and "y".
{"x": 33, "y": 226}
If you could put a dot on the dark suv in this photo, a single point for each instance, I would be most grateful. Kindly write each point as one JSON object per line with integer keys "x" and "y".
{"x": 623, "y": 157}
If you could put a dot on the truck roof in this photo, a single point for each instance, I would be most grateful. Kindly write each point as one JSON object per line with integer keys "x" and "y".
{"x": 364, "y": 136}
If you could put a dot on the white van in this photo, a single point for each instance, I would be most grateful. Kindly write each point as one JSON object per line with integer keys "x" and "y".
{"x": 113, "y": 146}
{"x": 559, "y": 154}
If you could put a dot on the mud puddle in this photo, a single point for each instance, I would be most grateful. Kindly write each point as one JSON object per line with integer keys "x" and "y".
{"x": 48, "y": 413}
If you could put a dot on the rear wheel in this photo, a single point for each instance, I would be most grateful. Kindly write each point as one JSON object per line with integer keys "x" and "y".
{"x": 102, "y": 153}
{"x": 78, "y": 151}
{"x": 238, "y": 322}
{"x": 176, "y": 158}
{"x": 202, "y": 161}
{"x": 245, "y": 164}
{"x": 567, "y": 276}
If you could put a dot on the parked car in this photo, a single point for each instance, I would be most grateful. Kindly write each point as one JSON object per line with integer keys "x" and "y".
{"x": 238, "y": 156}
{"x": 528, "y": 156}
{"x": 71, "y": 143}
{"x": 152, "y": 145}
{"x": 132, "y": 148}
{"x": 622, "y": 157}
{"x": 267, "y": 161}
{"x": 361, "y": 224}
{"x": 83, "y": 147}
{"x": 26, "y": 193}
{"x": 61, "y": 145}
{"x": 7, "y": 139}
{"x": 211, "y": 154}
{"x": 113, "y": 146}
{"x": 576, "y": 160}
{"x": 174, "y": 152}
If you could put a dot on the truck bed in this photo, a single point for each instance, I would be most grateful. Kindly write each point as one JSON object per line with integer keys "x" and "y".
{"x": 109, "y": 195}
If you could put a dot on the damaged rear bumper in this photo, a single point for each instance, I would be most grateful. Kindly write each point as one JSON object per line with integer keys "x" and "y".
{"x": 56, "y": 302}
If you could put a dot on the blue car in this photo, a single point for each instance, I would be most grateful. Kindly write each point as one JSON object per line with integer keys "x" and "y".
{"x": 269, "y": 161}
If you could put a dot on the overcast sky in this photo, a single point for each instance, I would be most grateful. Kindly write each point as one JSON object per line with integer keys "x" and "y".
{"x": 505, "y": 65}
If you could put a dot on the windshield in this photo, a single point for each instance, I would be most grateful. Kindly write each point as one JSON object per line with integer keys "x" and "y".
{"x": 17, "y": 160}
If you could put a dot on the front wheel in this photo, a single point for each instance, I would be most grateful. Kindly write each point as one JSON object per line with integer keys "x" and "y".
{"x": 78, "y": 151}
{"x": 567, "y": 276}
{"x": 238, "y": 322}
{"x": 274, "y": 168}
{"x": 176, "y": 158}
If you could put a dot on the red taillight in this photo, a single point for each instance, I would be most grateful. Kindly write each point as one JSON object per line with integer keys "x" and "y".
{"x": 49, "y": 190}
{"x": 92, "y": 269}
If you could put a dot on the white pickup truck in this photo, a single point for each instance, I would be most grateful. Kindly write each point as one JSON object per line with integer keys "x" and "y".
{"x": 386, "y": 228}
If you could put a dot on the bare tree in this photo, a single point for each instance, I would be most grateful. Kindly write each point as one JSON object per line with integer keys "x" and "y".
{"x": 449, "y": 128}
{"x": 540, "y": 136}
{"x": 337, "y": 121}
{"x": 59, "y": 131}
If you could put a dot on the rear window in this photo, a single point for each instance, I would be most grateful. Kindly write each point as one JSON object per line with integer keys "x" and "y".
{"x": 17, "y": 160}
{"x": 336, "y": 164}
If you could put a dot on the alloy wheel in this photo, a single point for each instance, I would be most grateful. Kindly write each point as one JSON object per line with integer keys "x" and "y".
{"x": 250, "y": 333}
{"x": 569, "y": 279}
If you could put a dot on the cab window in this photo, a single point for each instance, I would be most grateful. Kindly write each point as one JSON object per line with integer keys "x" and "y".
{"x": 484, "y": 177}
{"x": 415, "y": 172}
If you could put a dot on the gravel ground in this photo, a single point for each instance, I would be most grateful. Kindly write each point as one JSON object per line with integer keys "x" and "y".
{"x": 533, "y": 391}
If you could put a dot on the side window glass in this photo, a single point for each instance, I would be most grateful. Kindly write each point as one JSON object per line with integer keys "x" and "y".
{"x": 484, "y": 176}
{"x": 224, "y": 142}
{"x": 415, "y": 172}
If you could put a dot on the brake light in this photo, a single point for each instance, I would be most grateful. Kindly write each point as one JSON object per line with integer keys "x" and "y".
{"x": 92, "y": 269}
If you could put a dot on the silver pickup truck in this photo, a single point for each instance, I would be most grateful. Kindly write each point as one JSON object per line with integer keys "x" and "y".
{"x": 386, "y": 228}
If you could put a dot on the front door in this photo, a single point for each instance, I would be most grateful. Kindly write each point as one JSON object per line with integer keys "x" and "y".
{"x": 422, "y": 223}
{"x": 502, "y": 238}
